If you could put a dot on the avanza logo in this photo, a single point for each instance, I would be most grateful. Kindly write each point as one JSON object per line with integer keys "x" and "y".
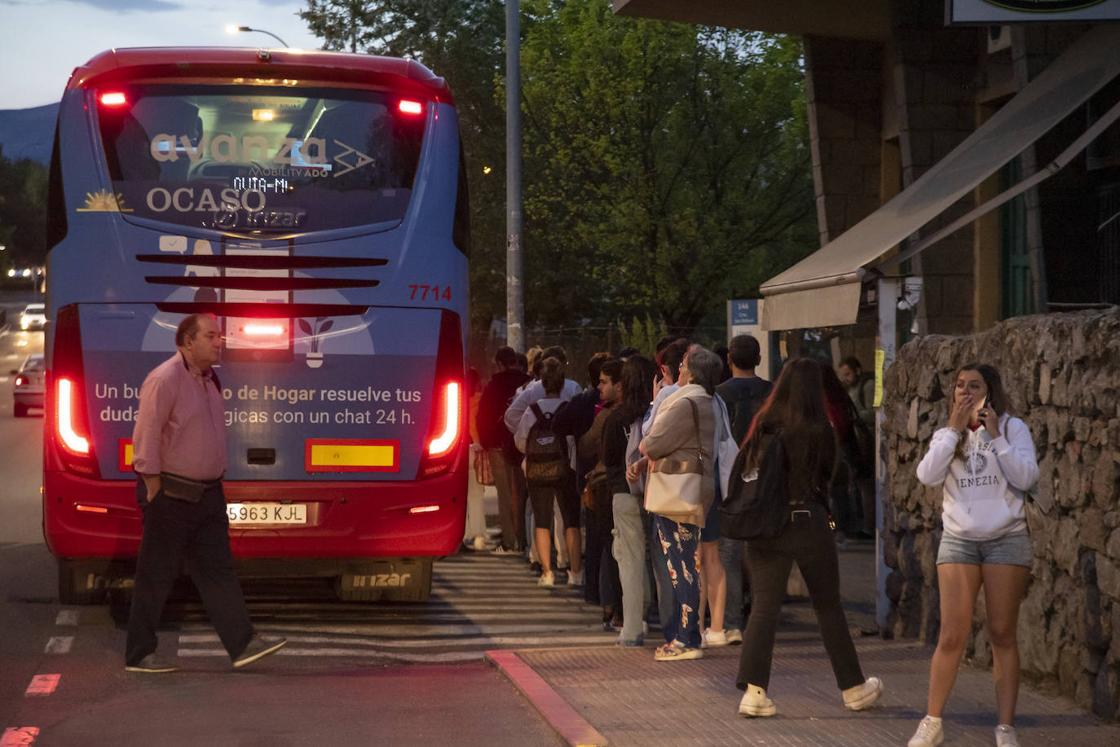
{"x": 249, "y": 148}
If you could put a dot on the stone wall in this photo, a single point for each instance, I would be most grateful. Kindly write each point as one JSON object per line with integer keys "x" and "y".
{"x": 1062, "y": 374}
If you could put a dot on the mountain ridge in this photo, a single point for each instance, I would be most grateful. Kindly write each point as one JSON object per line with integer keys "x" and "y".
{"x": 28, "y": 133}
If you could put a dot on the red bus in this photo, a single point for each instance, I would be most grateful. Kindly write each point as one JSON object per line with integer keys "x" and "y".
{"x": 316, "y": 203}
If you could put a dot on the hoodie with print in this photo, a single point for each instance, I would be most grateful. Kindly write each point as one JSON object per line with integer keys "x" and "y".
{"x": 983, "y": 491}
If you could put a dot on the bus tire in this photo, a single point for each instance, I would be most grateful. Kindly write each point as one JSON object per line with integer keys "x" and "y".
{"x": 77, "y": 585}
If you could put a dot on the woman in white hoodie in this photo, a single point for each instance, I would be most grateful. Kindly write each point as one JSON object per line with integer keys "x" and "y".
{"x": 985, "y": 460}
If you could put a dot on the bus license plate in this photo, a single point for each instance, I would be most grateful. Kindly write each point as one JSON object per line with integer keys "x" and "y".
{"x": 259, "y": 514}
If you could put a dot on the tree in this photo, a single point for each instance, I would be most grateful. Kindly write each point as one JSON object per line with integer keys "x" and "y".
{"x": 669, "y": 163}
{"x": 23, "y": 211}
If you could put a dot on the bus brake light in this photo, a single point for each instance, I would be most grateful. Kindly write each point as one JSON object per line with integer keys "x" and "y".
{"x": 410, "y": 107}
{"x": 449, "y": 434}
{"x": 113, "y": 98}
{"x": 263, "y": 330}
{"x": 67, "y": 412}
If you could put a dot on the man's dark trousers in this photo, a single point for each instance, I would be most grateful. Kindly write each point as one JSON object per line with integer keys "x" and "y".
{"x": 197, "y": 533}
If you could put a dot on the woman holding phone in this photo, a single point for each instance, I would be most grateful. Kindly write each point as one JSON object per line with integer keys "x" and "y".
{"x": 985, "y": 460}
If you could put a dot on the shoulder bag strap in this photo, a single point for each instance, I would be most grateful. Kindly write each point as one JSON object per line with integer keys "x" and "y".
{"x": 696, "y": 424}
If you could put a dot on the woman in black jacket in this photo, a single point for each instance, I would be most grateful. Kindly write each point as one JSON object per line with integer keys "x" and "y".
{"x": 792, "y": 433}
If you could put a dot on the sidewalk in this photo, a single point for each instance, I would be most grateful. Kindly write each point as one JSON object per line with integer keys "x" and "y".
{"x": 623, "y": 697}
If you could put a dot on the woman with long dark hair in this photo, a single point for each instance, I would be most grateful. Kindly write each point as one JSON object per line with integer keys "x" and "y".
{"x": 621, "y": 433}
{"x": 796, "y": 416}
{"x": 985, "y": 460}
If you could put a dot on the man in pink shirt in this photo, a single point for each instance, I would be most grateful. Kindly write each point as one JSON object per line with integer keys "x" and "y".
{"x": 179, "y": 443}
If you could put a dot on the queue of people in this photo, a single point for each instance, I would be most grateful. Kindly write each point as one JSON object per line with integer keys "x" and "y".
{"x": 643, "y": 463}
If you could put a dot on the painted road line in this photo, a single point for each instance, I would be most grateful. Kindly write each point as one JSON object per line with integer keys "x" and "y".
{"x": 42, "y": 684}
{"x": 572, "y": 728}
{"x": 67, "y": 617}
{"x": 19, "y": 735}
{"x": 59, "y": 644}
{"x": 557, "y": 640}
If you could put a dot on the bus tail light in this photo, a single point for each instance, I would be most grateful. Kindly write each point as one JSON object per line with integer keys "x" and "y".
{"x": 113, "y": 99}
{"x": 66, "y": 397}
{"x": 65, "y": 400}
{"x": 407, "y": 106}
{"x": 443, "y": 444}
{"x": 448, "y": 416}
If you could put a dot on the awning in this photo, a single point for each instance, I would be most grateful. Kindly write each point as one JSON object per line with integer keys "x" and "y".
{"x": 823, "y": 289}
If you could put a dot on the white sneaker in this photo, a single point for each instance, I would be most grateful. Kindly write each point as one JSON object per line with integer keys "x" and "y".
{"x": 1005, "y": 736}
{"x": 479, "y": 542}
{"x": 734, "y": 636}
{"x": 575, "y": 579}
{"x": 863, "y": 695}
{"x": 929, "y": 733}
{"x": 756, "y": 704}
{"x": 546, "y": 579}
{"x": 713, "y": 639}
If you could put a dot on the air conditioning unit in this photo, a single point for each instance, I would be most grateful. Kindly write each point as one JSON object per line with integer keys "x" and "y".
{"x": 999, "y": 37}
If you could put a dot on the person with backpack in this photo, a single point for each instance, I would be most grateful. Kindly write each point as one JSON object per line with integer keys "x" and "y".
{"x": 790, "y": 453}
{"x": 743, "y": 394}
{"x": 550, "y": 474}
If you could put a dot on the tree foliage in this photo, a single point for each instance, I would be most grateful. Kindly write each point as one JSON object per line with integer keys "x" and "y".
{"x": 666, "y": 166}
{"x": 23, "y": 211}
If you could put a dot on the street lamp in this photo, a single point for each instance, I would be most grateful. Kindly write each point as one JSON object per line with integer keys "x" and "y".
{"x": 233, "y": 28}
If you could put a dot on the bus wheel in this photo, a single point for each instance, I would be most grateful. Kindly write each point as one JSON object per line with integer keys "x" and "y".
{"x": 78, "y": 584}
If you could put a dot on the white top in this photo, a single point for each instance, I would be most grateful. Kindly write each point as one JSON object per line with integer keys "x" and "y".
{"x": 529, "y": 419}
{"x": 983, "y": 492}
{"x": 534, "y": 392}
{"x": 651, "y": 413}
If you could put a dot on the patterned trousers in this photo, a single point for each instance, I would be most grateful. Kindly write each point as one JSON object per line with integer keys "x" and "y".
{"x": 677, "y": 543}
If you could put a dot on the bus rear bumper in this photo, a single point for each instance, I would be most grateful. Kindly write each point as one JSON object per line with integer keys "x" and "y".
{"x": 348, "y": 522}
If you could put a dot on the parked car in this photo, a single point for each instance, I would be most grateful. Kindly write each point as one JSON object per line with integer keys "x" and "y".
{"x": 29, "y": 388}
{"x": 33, "y": 317}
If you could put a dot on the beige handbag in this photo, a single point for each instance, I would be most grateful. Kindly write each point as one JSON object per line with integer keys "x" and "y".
{"x": 675, "y": 486}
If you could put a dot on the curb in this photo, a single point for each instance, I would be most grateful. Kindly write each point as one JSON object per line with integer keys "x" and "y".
{"x": 572, "y": 728}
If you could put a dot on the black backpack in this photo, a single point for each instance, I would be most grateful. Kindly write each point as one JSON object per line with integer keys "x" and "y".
{"x": 546, "y": 452}
{"x": 757, "y": 503}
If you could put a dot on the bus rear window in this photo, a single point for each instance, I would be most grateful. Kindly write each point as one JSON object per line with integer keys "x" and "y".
{"x": 261, "y": 159}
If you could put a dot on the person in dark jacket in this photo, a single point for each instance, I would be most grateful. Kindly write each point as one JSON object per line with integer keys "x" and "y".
{"x": 505, "y": 460}
{"x": 601, "y": 587}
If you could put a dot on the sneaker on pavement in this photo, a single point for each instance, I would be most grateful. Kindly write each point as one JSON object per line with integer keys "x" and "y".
{"x": 713, "y": 638}
{"x": 151, "y": 664}
{"x": 547, "y": 579}
{"x": 756, "y": 704}
{"x": 677, "y": 651}
{"x": 863, "y": 695}
{"x": 929, "y": 733}
{"x": 479, "y": 542}
{"x": 575, "y": 579}
{"x": 1005, "y": 736}
{"x": 734, "y": 636}
{"x": 257, "y": 649}
{"x": 503, "y": 550}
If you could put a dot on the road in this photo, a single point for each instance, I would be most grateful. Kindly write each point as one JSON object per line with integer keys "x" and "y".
{"x": 404, "y": 673}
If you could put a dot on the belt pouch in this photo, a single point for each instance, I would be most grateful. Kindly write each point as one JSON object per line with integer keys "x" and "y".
{"x": 181, "y": 488}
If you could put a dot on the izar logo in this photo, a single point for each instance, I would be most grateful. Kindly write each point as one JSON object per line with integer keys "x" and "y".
{"x": 104, "y": 201}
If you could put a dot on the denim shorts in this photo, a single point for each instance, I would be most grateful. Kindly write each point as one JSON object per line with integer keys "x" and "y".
{"x": 1011, "y": 549}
